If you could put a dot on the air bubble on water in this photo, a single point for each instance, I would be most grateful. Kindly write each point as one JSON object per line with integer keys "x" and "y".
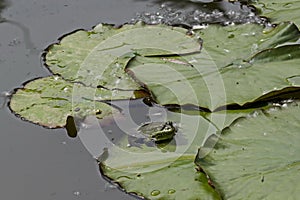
{"x": 229, "y": 23}
{"x": 197, "y": 15}
{"x": 5, "y": 94}
{"x": 191, "y": 16}
{"x": 109, "y": 186}
{"x": 226, "y": 50}
{"x": 265, "y": 133}
{"x": 14, "y": 42}
{"x": 231, "y": 13}
{"x": 128, "y": 145}
{"x": 76, "y": 193}
{"x": 157, "y": 114}
{"x": 64, "y": 142}
{"x": 217, "y": 13}
{"x": 84, "y": 125}
{"x": 251, "y": 14}
{"x": 56, "y": 78}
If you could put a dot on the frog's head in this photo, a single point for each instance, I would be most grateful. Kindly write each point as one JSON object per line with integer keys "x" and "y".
{"x": 166, "y": 132}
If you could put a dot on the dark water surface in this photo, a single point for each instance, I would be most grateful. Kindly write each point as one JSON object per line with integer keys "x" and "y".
{"x": 37, "y": 163}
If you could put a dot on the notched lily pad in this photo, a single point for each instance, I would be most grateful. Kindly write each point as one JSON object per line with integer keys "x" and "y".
{"x": 48, "y": 101}
{"x": 98, "y": 57}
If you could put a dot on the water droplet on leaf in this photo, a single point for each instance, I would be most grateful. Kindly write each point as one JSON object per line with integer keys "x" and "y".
{"x": 155, "y": 192}
{"x": 171, "y": 191}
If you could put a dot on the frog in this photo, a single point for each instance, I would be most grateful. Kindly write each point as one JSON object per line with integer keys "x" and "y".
{"x": 154, "y": 133}
{"x": 158, "y": 131}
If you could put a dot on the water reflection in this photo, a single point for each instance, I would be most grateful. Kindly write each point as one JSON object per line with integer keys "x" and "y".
{"x": 3, "y": 5}
{"x": 26, "y": 33}
{"x": 122, "y": 129}
{"x": 4, "y": 98}
{"x": 197, "y": 12}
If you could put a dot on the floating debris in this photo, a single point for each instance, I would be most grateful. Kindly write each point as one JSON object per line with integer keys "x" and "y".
{"x": 193, "y": 14}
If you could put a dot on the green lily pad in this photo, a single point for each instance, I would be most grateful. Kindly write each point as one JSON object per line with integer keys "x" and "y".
{"x": 225, "y": 118}
{"x": 221, "y": 74}
{"x": 258, "y": 157}
{"x": 98, "y": 57}
{"x": 165, "y": 183}
{"x": 48, "y": 101}
{"x": 156, "y": 173}
{"x": 279, "y": 10}
{"x": 234, "y": 45}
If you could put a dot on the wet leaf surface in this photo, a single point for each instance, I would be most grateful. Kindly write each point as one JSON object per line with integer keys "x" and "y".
{"x": 258, "y": 153}
{"x": 161, "y": 184}
{"x": 164, "y": 171}
{"x": 279, "y": 10}
{"x": 231, "y": 59}
{"x": 48, "y": 101}
{"x": 98, "y": 57}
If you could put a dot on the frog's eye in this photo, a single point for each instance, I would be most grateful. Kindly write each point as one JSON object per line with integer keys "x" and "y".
{"x": 168, "y": 128}
{"x": 169, "y": 123}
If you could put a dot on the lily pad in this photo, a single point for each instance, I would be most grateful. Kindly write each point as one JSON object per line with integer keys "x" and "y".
{"x": 279, "y": 10}
{"x": 48, "y": 101}
{"x": 155, "y": 172}
{"x": 232, "y": 58}
{"x": 259, "y": 153}
{"x": 165, "y": 182}
{"x": 98, "y": 57}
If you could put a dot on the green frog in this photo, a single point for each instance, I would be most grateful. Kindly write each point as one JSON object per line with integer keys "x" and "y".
{"x": 158, "y": 131}
{"x": 154, "y": 133}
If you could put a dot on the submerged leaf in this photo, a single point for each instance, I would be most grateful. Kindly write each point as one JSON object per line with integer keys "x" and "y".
{"x": 258, "y": 153}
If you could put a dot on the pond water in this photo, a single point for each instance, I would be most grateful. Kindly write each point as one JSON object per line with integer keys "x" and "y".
{"x": 39, "y": 163}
